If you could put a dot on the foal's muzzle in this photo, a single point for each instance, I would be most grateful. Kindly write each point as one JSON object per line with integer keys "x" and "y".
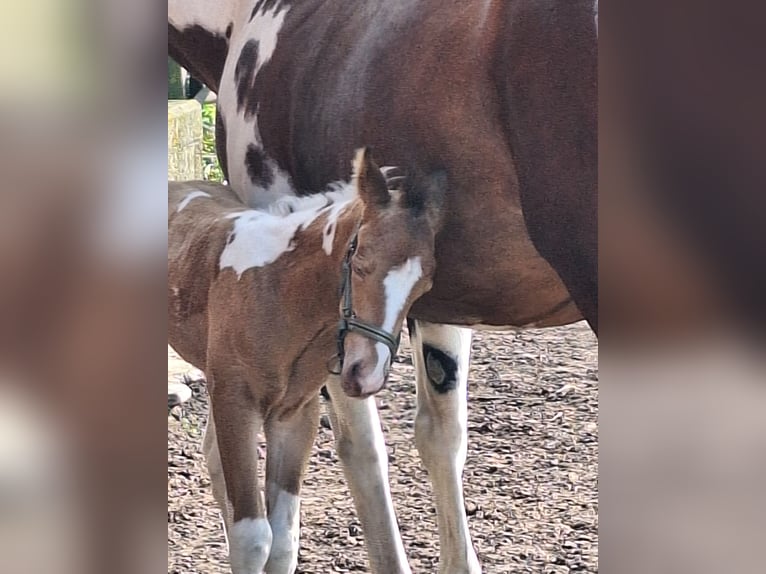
{"x": 348, "y": 321}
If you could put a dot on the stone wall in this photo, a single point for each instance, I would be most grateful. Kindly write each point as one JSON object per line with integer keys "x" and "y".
{"x": 184, "y": 140}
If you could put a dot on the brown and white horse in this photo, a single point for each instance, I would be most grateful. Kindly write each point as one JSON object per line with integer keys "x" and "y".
{"x": 500, "y": 95}
{"x": 253, "y": 302}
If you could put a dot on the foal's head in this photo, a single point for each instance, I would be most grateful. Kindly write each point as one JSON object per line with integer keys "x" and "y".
{"x": 393, "y": 264}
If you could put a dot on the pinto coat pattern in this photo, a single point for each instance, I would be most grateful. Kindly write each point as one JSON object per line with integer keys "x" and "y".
{"x": 253, "y": 302}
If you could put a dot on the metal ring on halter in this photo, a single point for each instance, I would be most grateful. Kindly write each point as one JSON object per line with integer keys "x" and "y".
{"x": 348, "y": 321}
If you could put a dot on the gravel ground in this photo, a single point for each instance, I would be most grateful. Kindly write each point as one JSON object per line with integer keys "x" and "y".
{"x": 531, "y": 478}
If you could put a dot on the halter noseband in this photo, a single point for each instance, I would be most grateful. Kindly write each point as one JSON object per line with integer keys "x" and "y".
{"x": 349, "y": 322}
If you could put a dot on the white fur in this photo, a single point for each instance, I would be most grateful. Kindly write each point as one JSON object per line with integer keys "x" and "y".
{"x": 284, "y": 517}
{"x": 261, "y": 237}
{"x": 241, "y": 130}
{"x": 398, "y": 285}
{"x": 249, "y": 545}
{"x": 384, "y": 358}
{"x": 441, "y": 439}
{"x": 186, "y": 200}
{"x": 212, "y": 15}
{"x": 328, "y": 233}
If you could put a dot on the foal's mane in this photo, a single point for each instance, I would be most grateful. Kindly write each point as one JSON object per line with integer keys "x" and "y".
{"x": 336, "y": 192}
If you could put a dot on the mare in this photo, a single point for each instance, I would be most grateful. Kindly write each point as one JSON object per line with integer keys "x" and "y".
{"x": 500, "y": 95}
{"x": 253, "y": 302}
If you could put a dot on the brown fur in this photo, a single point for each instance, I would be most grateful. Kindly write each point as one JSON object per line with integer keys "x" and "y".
{"x": 501, "y": 95}
{"x": 264, "y": 339}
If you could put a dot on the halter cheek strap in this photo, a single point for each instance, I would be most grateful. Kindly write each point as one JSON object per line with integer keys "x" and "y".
{"x": 348, "y": 321}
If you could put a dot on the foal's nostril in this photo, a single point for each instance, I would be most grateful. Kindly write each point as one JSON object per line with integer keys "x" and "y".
{"x": 355, "y": 370}
{"x": 350, "y": 381}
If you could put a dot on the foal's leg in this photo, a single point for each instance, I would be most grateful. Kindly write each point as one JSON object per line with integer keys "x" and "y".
{"x": 236, "y": 424}
{"x": 441, "y": 355}
{"x": 288, "y": 449}
{"x": 215, "y": 471}
{"x": 362, "y": 452}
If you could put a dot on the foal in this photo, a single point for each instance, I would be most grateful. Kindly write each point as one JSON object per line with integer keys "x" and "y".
{"x": 253, "y": 302}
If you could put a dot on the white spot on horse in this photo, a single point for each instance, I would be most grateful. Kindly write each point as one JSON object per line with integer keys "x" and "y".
{"x": 346, "y": 193}
{"x": 249, "y": 545}
{"x": 265, "y": 27}
{"x": 186, "y": 200}
{"x": 213, "y": 17}
{"x": 242, "y": 130}
{"x": 260, "y": 237}
{"x": 398, "y": 285}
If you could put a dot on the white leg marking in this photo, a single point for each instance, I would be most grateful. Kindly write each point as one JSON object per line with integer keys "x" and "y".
{"x": 249, "y": 545}
{"x": 441, "y": 440}
{"x": 186, "y": 200}
{"x": 362, "y": 451}
{"x": 284, "y": 517}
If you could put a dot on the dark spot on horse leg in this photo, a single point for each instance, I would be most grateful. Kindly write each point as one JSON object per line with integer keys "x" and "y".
{"x": 228, "y": 31}
{"x": 441, "y": 369}
{"x": 244, "y": 72}
{"x": 230, "y": 238}
{"x": 325, "y": 393}
{"x": 411, "y": 327}
{"x": 259, "y": 171}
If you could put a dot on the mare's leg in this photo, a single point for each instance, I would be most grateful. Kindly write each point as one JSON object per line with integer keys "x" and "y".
{"x": 362, "y": 452}
{"x": 236, "y": 424}
{"x": 441, "y": 355}
{"x": 288, "y": 449}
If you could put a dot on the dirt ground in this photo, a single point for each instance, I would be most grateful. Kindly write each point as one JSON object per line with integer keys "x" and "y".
{"x": 531, "y": 478}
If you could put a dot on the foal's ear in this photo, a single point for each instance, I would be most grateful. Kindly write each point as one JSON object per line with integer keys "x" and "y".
{"x": 369, "y": 181}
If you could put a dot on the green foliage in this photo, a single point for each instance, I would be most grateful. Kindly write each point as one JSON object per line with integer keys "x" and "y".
{"x": 211, "y": 169}
{"x": 175, "y": 83}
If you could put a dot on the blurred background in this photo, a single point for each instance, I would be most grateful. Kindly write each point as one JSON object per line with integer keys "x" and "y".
{"x": 682, "y": 455}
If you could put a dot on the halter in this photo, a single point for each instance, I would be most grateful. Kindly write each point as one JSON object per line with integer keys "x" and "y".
{"x": 348, "y": 321}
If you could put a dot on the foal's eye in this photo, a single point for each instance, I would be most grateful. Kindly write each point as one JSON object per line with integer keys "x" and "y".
{"x": 358, "y": 269}
{"x": 359, "y": 266}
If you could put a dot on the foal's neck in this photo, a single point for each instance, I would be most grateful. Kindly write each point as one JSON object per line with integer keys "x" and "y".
{"x": 346, "y": 223}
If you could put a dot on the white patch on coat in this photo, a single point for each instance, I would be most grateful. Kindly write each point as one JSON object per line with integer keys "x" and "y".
{"x": 242, "y": 130}
{"x": 398, "y": 285}
{"x": 214, "y": 17}
{"x": 266, "y": 26}
{"x": 186, "y": 200}
{"x": 260, "y": 238}
{"x": 249, "y": 545}
{"x": 346, "y": 193}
